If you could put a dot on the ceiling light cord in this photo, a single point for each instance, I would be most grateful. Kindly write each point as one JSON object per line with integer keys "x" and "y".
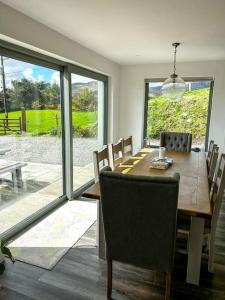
{"x": 175, "y": 60}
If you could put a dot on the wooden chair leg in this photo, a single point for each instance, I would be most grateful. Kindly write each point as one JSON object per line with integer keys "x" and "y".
{"x": 109, "y": 279}
{"x": 168, "y": 285}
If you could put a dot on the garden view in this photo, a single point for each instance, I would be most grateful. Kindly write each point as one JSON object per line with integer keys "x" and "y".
{"x": 186, "y": 115}
{"x": 43, "y": 115}
{"x": 31, "y": 136}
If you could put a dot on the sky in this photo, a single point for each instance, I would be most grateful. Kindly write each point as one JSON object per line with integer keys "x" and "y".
{"x": 16, "y": 70}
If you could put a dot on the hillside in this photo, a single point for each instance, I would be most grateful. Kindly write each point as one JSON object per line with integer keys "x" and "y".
{"x": 78, "y": 86}
{"x": 188, "y": 114}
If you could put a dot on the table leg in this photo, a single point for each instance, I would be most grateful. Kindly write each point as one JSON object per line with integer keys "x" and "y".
{"x": 195, "y": 250}
{"x": 100, "y": 233}
{"x": 17, "y": 178}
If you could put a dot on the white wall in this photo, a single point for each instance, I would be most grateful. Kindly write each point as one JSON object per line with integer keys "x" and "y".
{"x": 125, "y": 83}
{"x": 14, "y": 25}
{"x": 132, "y": 95}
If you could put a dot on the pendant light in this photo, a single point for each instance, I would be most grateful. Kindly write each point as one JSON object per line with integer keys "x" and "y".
{"x": 174, "y": 86}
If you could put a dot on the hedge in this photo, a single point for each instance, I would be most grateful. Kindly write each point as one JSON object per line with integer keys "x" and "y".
{"x": 188, "y": 114}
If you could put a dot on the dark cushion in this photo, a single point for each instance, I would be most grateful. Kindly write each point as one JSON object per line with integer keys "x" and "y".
{"x": 176, "y": 141}
{"x": 139, "y": 216}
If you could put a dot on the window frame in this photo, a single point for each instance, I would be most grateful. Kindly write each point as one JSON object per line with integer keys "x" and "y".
{"x": 192, "y": 79}
{"x": 97, "y": 76}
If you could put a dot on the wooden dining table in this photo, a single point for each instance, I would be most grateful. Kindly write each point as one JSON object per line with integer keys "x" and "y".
{"x": 193, "y": 197}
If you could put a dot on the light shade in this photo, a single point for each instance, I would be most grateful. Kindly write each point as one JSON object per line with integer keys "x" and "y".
{"x": 173, "y": 87}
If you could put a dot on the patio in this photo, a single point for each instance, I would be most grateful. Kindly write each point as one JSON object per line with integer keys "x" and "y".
{"x": 42, "y": 181}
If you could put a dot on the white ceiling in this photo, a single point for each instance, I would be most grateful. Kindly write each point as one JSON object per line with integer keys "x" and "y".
{"x": 136, "y": 31}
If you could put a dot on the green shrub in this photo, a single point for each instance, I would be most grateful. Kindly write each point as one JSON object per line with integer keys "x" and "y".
{"x": 188, "y": 114}
{"x": 88, "y": 131}
{"x": 55, "y": 132}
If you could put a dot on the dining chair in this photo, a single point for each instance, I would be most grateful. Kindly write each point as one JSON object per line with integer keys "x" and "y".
{"x": 139, "y": 216}
{"x": 209, "y": 153}
{"x": 216, "y": 203}
{"x": 100, "y": 160}
{"x": 176, "y": 141}
{"x": 209, "y": 158}
{"x": 117, "y": 154}
{"x": 216, "y": 197}
{"x": 212, "y": 166}
{"x": 127, "y": 147}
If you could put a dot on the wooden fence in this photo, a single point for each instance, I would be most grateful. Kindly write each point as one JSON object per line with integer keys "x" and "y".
{"x": 10, "y": 125}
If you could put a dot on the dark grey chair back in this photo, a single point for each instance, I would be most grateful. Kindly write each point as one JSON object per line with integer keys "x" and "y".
{"x": 176, "y": 141}
{"x": 139, "y": 216}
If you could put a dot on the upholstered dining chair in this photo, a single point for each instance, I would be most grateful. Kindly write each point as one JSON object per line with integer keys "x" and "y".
{"x": 127, "y": 147}
{"x": 176, "y": 141}
{"x": 117, "y": 153}
{"x": 139, "y": 216}
{"x": 100, "y": 160}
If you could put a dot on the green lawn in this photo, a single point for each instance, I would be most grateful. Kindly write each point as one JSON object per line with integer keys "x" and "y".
{"x": 44, "y": 121}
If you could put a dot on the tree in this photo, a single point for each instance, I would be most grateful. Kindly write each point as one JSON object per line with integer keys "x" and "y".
{"x": 22, "y": 93}
{"x": 32, "y": 95}
{"x": 86, "y": 100}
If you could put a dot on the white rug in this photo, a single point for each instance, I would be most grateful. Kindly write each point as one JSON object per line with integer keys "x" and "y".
{"x": 46, "y": 243}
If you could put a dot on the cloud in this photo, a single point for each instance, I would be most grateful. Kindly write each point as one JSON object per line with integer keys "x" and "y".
{"x": 55, "y": 77}
{"x": 16, "y": 70}
{"x": 81, "y": 79}
{"x": 28, "y": 74}
{"x": 40, "y": 77}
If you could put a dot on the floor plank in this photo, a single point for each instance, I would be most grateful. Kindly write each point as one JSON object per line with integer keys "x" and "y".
{"x": 81, "y": 275}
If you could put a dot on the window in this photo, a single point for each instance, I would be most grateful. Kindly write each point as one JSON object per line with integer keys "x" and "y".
{"x": 88, "y": 126}
{"x": 190, "y": 114}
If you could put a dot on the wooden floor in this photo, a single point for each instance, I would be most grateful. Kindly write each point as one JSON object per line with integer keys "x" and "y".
{"x": 81, "y": 275}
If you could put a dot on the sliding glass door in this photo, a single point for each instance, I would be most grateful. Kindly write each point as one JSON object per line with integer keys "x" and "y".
{"x": 52, "y": 118}
{"x": 30, "y": 140}
{"x": 88, "y": 107}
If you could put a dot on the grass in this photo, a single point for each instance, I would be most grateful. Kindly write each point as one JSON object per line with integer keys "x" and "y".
{"x": 44, "y": 121}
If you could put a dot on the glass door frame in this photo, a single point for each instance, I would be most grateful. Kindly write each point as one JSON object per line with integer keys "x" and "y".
{"x": 28, "y": 56}
{"x": 77, "y": 70}
{"x": 23, "y": 54}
